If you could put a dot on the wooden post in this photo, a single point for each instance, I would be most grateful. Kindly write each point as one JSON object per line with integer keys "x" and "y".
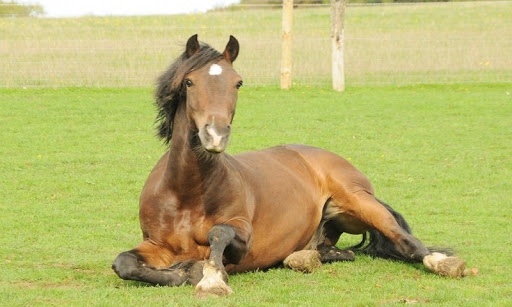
{"x": 286, "y": 56}
{"x": 337, "y": 36}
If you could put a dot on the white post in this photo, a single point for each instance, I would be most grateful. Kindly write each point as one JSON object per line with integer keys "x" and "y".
{"x": 286, "y": 56}
{"x": 337, "y": 36}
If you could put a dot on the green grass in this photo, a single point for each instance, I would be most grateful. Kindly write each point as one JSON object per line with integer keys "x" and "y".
{"x": 73, "y": 162}
{"x": 397, "y": 44}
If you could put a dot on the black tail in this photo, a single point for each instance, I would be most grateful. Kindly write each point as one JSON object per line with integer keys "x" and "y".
{"x": 380, "y": 246}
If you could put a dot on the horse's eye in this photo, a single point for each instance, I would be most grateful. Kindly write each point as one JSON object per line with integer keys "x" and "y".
{"x": 239, "y": 84}
{"x": 188, "y": 83}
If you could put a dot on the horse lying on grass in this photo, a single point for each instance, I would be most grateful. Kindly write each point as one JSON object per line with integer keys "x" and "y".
{"x": 205, "y": 213}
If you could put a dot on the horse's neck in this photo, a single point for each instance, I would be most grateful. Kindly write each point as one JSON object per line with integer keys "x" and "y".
{"x": 189, "y": 167}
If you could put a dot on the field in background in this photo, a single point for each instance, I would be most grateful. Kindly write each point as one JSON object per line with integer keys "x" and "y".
{"x": 73, "y": 162}
{"x": 385, "y": 44}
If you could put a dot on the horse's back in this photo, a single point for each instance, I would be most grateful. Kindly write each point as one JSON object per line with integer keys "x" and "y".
{"x": 317, "y": 166}
{"x": 334, "y": 170}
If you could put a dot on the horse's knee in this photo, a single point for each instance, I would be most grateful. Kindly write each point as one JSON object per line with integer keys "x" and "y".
{"x": 126, "y": 265}
{"x": 221, "y": 233}
{"x": 235, "y": 246}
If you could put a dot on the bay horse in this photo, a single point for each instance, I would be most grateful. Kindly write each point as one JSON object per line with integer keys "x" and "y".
{"x": 205, "y": 213}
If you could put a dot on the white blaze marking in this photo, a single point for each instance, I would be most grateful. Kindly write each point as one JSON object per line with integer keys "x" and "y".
{"x": 216, "y": 138}
{"x": 215, "y": 70}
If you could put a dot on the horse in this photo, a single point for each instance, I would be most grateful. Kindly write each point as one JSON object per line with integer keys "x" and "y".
{"x": 205, "y": 214}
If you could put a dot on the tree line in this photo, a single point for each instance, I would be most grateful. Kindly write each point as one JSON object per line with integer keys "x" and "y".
{"x": 15, "y": 9}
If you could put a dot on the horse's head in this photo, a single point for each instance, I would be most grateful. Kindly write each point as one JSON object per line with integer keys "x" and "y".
{"x": 204, "y": 82}
{"x": 211, "y": 95}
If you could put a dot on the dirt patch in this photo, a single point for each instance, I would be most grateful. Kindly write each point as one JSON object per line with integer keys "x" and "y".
{"x": 405, "y": 301}
{"x": 24, "y": 284}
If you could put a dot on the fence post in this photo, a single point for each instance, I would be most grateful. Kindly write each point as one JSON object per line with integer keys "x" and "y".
{"x": 337, "y": 36}
{"x": 286, "y": 56}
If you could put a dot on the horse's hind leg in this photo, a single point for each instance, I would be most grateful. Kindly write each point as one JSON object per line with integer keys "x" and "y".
{"x": 307, "y": 261}
{"x": 320, "y": 250}
{"x": 327, "y": 248}
{"x": 390, "y": 236}
{"x": 329, "y": 253}
{"x": 397, "y": 240}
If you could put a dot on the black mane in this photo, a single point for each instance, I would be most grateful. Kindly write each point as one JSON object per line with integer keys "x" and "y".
{"x": 171, "y": 90}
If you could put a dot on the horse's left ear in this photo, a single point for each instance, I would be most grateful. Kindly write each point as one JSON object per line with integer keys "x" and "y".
{"x": 232, "y": 48}
{"x": 192, "y": 46}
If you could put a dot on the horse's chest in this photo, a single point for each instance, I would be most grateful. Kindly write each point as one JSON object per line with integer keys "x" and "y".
{"x": 182, "y": 231}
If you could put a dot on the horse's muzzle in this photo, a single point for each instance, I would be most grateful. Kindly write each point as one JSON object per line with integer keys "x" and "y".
{"x": 215, "y": 138}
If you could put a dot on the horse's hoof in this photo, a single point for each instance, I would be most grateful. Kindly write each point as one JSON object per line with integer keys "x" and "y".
{"x": 332, "y": 253}
{"x": 446, "y": 266}
{"x": 303, "y": 261}
{"x": 213, "y": 283}
{"x": 218, "y": 289}
{"x": 452, "y": 267}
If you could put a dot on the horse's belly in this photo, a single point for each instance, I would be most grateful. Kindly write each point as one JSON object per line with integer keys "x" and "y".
{"x": 287, "y": 206}
{"x": 276, "y": 238}
{"x": 282, "y": 226}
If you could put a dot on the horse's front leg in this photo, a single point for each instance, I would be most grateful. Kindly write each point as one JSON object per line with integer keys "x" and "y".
{"x": 225, "y": 240}
{"x": 132, "y": 265}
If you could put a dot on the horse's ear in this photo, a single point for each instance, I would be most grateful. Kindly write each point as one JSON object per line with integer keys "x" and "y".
{"x": 232, "y": 48}
{"x": 192, "y": 46}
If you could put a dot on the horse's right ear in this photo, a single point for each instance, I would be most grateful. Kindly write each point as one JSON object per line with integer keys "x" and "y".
{"x": 232, "y": 48}
{"x": 192, "y": 46}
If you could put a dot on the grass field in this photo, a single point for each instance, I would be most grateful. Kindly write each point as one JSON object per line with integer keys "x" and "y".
{"x": 397, "y": 44}
{"x": 73, "y": 162}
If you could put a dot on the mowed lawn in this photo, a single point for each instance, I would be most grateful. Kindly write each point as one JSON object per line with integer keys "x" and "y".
{"x": 73, "y": 162}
